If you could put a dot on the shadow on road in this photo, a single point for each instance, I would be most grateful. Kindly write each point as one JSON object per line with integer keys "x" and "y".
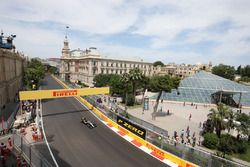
{"x": 62, "y": 113}
{"x": 43, "y": 149}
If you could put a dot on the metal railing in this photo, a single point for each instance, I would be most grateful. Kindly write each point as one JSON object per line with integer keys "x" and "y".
{"x": 29, "y": 152}
{"x": 158, "y": 137}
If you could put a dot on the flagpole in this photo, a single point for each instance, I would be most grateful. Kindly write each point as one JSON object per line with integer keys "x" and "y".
{"x": 66, "y": 35}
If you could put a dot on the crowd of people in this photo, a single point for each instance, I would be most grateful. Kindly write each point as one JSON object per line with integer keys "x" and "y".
{"x": 29, "y": 108}
{"x": 184, "y": 137}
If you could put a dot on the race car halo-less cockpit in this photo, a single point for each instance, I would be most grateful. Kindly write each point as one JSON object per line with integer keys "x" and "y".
{"x": 88, "y": 123}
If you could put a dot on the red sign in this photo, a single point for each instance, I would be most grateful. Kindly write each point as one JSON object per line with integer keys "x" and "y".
{"x": 65, "y": 93}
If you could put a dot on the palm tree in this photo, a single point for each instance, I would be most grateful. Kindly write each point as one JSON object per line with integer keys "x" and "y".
{"x": 136, "y": 77}
{"x": 230, "y": 117}
{"x": 160, "y": 84}
{"x": 125, "y": 79}
{"x": 218, "y": 116}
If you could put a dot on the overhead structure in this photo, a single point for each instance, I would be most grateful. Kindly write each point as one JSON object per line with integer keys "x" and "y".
{"x": 205, "y": 87}
{"x": 59, "y": 93}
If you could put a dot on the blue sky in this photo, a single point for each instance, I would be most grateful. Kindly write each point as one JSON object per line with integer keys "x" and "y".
{"x": 183, "y": 31}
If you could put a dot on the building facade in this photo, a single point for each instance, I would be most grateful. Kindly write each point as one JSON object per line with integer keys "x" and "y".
{"x": 181, "y": 70}
{"x": 84, "y": 65}
{"x": 11, "y": 75}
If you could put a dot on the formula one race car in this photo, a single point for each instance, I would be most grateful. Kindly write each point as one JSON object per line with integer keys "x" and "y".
{"x": 88, "y": 123}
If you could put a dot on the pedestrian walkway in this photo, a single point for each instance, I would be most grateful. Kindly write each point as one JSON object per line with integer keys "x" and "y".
{"x": 180, "y": 117}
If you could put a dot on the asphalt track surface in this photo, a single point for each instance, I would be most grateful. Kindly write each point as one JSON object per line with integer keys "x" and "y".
{"x": 74, "y": 144}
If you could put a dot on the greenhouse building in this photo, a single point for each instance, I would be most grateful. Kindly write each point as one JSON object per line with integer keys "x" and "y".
{"x": 204, "y": 87}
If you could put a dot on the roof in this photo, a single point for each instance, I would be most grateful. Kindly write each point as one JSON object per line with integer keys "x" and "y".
{"x": 200, "y": 87}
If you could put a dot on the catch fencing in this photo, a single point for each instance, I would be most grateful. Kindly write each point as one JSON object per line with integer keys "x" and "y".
{"x": 29, "y": 152}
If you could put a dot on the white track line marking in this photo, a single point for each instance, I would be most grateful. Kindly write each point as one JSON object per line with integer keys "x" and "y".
{"x": 45, "y": 138}
{"x": 126, "y": 137}
{"x": 145, "y": 149}
{"x": 170, "y": 163}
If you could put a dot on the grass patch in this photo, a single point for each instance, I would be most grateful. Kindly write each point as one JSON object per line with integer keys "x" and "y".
{"x": 245, "y": 156}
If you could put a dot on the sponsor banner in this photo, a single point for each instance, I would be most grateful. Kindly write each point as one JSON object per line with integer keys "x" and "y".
{"x": 131, "y": 127}
{"x": 58, "y": 93}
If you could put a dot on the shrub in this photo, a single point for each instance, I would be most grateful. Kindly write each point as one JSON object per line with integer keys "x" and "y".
{"x": 226, "y": 144}
{"x": 210, "y": 140}
{"x": 241, "y": 147}
{"x": 229, "y": 144}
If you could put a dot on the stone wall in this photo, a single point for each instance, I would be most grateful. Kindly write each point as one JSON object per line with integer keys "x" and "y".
{"x": 11, "y": 75}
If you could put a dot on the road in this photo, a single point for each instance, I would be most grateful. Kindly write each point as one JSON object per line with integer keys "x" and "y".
{"x": 73, "y": 144}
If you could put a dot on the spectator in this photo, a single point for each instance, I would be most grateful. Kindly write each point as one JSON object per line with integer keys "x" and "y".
{"x": 188, "y": 131}
{"x": 175, "y": 134}
{"x": 190, "y": 116}
{"x": 182, "y": 133}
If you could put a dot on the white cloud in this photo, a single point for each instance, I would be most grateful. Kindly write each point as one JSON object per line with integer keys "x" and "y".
{"x": 41, "y": 24}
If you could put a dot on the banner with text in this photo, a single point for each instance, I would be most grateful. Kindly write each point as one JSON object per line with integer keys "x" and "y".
{"x": 58, "y": 93}
{"x": 131, "y": 127}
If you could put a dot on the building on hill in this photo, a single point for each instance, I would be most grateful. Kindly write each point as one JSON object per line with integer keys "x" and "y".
{"x": 205, "y": 87}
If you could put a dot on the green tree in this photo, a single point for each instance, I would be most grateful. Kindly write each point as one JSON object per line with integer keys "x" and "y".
{"x": 245, "y": 72}
{"x": 144, "y": 84}
{"x": 158, "y": 63}
{"x": 217, "y": 116}
{"x": 210, "y": 140}
{"x": 125, "y": 80}
{"x": 245, "y": 79}
{"x": 136, "y": 77}
{"x": 238, "y": 71}
{"x": 244, "y": 127}
{"x": 101, "y": 80}
{"x": 224, "y": 71}
{"x": 230, "y": 120}
{"x": 34, "y": 73}
{"x": 51, "y": 69}
{"x": 115, "y": 84}
{"x": 160, "y": 84}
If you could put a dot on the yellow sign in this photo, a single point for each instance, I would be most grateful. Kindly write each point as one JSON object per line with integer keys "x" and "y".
{"x": 57, "y": 93}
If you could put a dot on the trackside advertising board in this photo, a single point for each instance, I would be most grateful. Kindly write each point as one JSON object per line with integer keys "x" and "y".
{"x": 59, "y": 93}
{"x": 131, "y": 127}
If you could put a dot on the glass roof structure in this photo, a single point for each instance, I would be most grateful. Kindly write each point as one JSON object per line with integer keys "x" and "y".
{"x": 200, "y": 87}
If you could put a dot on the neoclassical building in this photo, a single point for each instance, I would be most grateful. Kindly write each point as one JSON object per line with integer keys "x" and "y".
{"x": 84, "y": 65}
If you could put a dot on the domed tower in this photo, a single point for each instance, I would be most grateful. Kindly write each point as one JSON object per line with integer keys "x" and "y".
{"x": 65, "y": 49}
